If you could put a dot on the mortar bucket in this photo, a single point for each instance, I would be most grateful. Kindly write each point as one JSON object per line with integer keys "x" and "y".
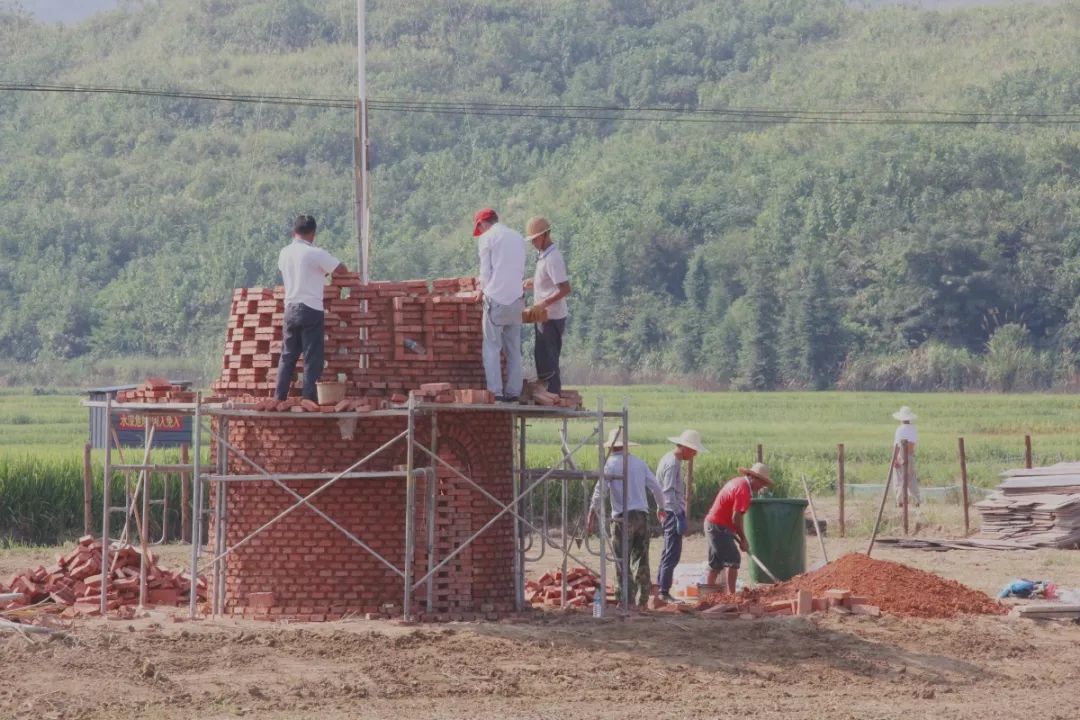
{"x": 330, "y": 393}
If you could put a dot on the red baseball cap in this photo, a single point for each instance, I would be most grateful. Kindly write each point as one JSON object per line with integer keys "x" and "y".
{"x": 487, "y": 214}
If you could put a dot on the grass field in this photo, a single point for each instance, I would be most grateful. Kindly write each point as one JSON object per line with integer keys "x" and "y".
{"x": 41, "y": 439}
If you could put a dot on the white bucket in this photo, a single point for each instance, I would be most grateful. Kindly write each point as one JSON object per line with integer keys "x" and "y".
{"x": 330, "y": 393}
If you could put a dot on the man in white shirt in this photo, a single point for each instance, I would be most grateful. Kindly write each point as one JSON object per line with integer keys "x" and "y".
{"x": 304, "y": 268}
{"x": 906, "y": 431}
{"x": 550, "y": 285}
{"x": 636, "y": 507}
{"x": 502, "y": 270}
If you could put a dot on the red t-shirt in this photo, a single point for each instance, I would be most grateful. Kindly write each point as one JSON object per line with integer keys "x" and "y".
{"x": 733, "y": 497}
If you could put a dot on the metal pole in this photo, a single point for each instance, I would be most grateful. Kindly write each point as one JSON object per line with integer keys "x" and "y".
{"x": 221, "y": 501}
{"x": 106, "y": 487}
{"x": 196, "y": 503}
{"x": 840, "y": 485}
{"x": 624, "y": 561}
{"x": 88, "y": 490}
{"x": 185, "y": 496}
{"x": 603, "y": 502}
{"x": 905, "y": 477}
{"x": 410, "y": 507}
{"x": 361, "y": 151}
{"x": 144, "y": 526}
{"x": 964, "y": 486}
{"x": 432, "y": 508}
{"x": 519, "y": 544}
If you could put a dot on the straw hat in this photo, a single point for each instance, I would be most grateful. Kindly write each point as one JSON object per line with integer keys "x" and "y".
{"x": 615, "y": 440}
{"x": 536, "y": 227}
{"x": 759, "y": 471}
{"x": 690, "y": 439}
{"x": 904, "y": 414}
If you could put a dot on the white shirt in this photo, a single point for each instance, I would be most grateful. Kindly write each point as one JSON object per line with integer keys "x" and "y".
{"x": 907, "y": 432}
{"x": 550, "y": 271}
{"x": 304, "y": 268}
{"x": 639, "y": 478}
{"x": 502, "y": 264}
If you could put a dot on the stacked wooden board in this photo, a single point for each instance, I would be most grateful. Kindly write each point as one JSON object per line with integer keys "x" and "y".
{"x": 1036, "y": 506}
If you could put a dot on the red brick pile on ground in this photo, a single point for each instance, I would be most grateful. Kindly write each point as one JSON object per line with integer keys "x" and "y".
{"x": 73, "y": 585}
{"x": 581, "y": 587}
{"x": 156, "y": 390}
{"x": 895, "y": 588}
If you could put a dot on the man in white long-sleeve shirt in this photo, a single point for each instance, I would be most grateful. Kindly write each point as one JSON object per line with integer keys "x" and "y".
{"x": 636, "y": 508}
{"x": 502, "y": 275}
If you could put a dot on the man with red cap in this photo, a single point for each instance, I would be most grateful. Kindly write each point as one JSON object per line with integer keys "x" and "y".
{"x": 502, "y": 273}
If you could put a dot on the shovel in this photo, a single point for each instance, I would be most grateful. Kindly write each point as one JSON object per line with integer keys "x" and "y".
{"x": 764, "y": 569}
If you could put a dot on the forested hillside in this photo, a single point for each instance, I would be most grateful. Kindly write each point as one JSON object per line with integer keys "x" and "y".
{"x": 861, "y": 254}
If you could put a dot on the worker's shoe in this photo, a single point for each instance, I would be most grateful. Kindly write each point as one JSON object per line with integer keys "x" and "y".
{"x": 666, "y": 597}
{"x": 511, "y": 399}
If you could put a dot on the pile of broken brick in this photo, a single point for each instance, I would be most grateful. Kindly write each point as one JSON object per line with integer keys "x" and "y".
{"x": 581, "y": 588}
{"x": 156, "y": 390}
{"x": 72, "y": 587}
{"x": 836, "y": 600}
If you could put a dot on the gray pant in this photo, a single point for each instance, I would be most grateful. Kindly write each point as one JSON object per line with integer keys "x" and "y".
{"x": 914, "y": 498}
{"x": 502, "y": 334}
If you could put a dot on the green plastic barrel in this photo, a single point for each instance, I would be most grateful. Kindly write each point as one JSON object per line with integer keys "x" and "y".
{"x": 777, "y": 535}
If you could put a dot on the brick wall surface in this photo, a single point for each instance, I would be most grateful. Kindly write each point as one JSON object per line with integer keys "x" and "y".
{"x": 441, "y": 316}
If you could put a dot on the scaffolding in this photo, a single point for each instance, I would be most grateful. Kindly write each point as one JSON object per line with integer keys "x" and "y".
{"x": 529, "y": 532}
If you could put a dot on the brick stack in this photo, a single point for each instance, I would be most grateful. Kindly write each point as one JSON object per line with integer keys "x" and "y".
{"x": 304, "y": 569}
{"x": 74, "y": 582}
{"x": 156, "y": 390}
{"x": 417, "y": 332}
{"x": 581, "y": 588}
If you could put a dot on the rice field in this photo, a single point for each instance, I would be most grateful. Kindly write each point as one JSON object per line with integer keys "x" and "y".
{"x": 42, "y": 435}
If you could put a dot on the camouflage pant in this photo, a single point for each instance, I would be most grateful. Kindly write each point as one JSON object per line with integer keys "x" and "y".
{"x": 640, "y": 577}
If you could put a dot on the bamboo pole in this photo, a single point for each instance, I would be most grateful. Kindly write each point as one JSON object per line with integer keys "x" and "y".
{"x": 884, "y": 499}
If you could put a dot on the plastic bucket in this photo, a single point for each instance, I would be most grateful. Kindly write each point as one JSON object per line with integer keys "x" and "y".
{"x": 777, "y": 535}
{"x": 330, "y": 393}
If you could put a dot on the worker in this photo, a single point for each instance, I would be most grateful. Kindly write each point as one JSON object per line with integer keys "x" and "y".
{"x": 906, "y": 431}
{"x": 304, "y": 268}
{"x": 634, "y": 508}
{"x": 724, "y": 523}
{"x": 672, "y": 514}
{"x": 502, "y": 276}
{"x": 550, "y": 285}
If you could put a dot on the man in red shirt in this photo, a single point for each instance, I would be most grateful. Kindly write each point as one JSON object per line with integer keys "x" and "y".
{"x": 724, "y": 523}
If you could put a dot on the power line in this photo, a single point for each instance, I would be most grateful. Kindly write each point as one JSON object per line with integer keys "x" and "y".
{"x": 596, "y": 113}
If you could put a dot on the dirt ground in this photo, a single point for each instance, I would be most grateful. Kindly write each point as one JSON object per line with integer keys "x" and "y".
{"x": 556, "y": 666}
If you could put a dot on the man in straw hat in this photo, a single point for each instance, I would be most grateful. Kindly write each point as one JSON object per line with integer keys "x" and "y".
{"x": 906, "y": 431}
{"x": 724, "y": 523}
{"x": 635, "y": 506}
{"x": 550, "y": 285}
{"x": 502, "y": 271}
{"x": 673, "y": 512}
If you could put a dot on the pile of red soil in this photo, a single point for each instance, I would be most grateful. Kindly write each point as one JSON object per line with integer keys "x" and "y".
{"x": 895, "y": 588}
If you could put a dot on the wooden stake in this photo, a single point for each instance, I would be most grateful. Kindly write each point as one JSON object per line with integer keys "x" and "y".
{"x": 964, "y": 487}
{"x": 1027, "y": 452}
{"x": 813, "y": 516}
{"x": 884, "y": 499}
{"x": 840, "y": 484}
{"x": 185, "y": 490}
{"x": 88, "y": 491}
{"x": 905, "y": 478}
{"x": 760, "y": 453}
